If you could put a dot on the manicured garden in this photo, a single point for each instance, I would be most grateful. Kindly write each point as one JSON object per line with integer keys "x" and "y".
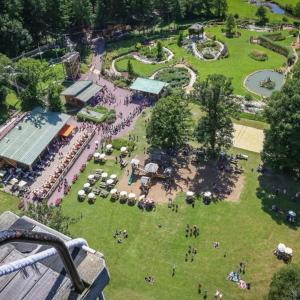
{"x": 97, "y": 114}
{"x": 239, "y": 51}
{"x": 175, "y": 77}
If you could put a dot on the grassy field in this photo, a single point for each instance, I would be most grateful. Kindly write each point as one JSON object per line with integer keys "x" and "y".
{"x": 238, "y": 65}
{"x": 246, "y": 231}
{"x": 8, "y": 202}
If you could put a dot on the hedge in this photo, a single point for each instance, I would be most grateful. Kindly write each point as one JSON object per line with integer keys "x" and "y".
{"x": 283, "y": 50}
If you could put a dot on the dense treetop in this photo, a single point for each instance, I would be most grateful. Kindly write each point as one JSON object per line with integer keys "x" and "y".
{"x": 25, "y": 23}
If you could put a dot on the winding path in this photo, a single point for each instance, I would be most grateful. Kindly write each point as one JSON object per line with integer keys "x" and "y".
{"x": 115, "y": 72}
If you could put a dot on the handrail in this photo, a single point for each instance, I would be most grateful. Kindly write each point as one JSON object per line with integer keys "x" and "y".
{"x": 8, "y": 236}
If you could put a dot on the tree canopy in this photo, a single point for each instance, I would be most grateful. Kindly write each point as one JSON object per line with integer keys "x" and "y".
{"x": 169, "y": 125}
{"x": 215, "y": 128}
{"x": 24, "y": 24}
{"x": 282, "y": 140}
{"x": 285, "y": 284}
{"x": 261, "y": 13}
{"x": 50, "y": 216}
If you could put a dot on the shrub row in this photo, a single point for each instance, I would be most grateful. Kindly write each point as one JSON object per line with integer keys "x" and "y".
{"x": 275, "y": 36}
{"x": 283, "y": 50}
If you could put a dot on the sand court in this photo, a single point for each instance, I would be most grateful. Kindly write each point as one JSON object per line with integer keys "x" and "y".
{"x": 248, "y": 138}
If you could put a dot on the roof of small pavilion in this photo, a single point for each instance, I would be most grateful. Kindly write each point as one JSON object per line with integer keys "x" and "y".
{"x": 150, "y": 86}
{"x": 196, "y": 27}
{"x": 82, "y": 90}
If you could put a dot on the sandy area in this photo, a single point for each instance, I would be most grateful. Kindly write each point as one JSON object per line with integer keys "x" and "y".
{"x": 248, "y": 138}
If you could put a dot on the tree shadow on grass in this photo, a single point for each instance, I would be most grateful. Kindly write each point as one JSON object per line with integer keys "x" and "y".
{"x": 279, "y": 189}
{"x": 209, "y": 178}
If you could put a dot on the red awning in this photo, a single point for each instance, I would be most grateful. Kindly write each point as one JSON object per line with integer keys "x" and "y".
{"x": 66, "y": 130}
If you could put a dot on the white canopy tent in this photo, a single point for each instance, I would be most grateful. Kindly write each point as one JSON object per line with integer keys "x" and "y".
{"x": 113, "y": 191}
{"x": 91, "y": 196}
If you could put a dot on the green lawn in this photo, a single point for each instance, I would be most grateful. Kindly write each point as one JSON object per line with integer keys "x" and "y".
{"x": 246, "y": 231}
{"x": 238, "y": 65}
{"x": 8, "y": 202}
{"x": 246, "y": 10}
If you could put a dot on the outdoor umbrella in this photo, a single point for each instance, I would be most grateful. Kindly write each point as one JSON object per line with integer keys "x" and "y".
{"x": 131, "y": 196}
{"x": 113, "y": 191}
{"x": 109, "y": 181}
{"x": 91, "y": 195}
{"x": 81, "y": 193}
{"x": 123, "y": 149}
{"x": 91, "y": 177}
{"x": 104, "y": 175}
{"x": 86, "y": 185}
{"x": 281, "y": 247}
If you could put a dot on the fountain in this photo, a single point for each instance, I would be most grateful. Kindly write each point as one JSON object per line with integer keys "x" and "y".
{"x": 264, "y": 82}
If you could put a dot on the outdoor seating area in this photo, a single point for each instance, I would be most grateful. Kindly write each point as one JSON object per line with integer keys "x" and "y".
{"x": 42, "y": 192}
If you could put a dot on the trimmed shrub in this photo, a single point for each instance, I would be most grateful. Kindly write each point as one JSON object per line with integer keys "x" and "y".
{"x": 258, "y": 55}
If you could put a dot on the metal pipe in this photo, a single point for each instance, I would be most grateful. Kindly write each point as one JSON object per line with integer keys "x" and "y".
{"x": 9, "y": 236}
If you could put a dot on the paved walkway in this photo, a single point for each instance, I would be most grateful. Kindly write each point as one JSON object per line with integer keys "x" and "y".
{"x": 119, "y": 106}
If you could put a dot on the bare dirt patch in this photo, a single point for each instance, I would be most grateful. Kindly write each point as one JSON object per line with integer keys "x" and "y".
{"x": 188, "y": 176}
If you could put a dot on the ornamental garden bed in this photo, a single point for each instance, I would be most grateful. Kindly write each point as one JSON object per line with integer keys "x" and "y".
{"x": 258, "y": 55}
{"x": 97, "y": 114}
{"x": 175, "y": 77}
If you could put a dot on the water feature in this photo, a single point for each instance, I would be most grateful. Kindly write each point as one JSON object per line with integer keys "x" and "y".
{"x": 253, "y": 82}
{"x": 275, "y": 8}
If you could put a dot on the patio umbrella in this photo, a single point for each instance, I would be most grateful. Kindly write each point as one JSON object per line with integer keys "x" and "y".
{"x": 190, "y": 194}
{"x": 14, "y": 181}
{"x": 109, "y": 181}
{"x": 207, "y": 194}
{"x": 104, "y": 175}
{"x": 91, "y": 177}
{"x": 289, "y": 251}
{"x": 91, "y": 195}
{"x": 22, "y": 183}
{"x": 123, "y": 149}
{"x": 113, "y": 191}
{"x": 292, "y": 213}
{"x": 96, "y": 154}
{"x": 281, "y": 247}
{"x": 109, "y": 146}
{"x": 86, "y": 185}
{"x": 131, "y": 196}
{"x": 81, "y": 193}
{"x": 102, "y": 156}
{"x": 142, "y": 197}
{"x": 135, "y": 162}
{"x": 123, "y": 194}
{"x": 113, "y": 176}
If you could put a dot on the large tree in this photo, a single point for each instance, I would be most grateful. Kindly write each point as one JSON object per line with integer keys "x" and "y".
{"x": 169, "y": 125}
{"x": 215, "y": 128}
{"x": 282, "y": 140}
{"x": 261, "y": 13}
{"x": 285, "y": 284}
{"x": 81, "y": 12}
{"x": 54, "y": 100}
{"x": 34, "y": 75}
{"x": 50, "y": 216}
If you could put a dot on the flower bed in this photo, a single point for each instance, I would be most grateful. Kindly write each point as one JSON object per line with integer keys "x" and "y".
{"x": 175, "y": 77}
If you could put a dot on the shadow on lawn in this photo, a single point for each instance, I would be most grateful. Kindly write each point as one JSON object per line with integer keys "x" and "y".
{"x": 209, "y": 178}
{"x": 280, "y": 190}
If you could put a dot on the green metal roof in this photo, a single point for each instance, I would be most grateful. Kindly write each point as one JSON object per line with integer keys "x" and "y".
{"x": 89, "y": 92}
{"x": 150, "y": 86}
{"x": 36, "y": 131}
{"x": 77, "y": 88}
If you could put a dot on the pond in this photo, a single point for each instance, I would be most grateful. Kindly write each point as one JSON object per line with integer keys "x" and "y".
{"x": 253, "y": 82}
{"x": 275, "y": 8}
